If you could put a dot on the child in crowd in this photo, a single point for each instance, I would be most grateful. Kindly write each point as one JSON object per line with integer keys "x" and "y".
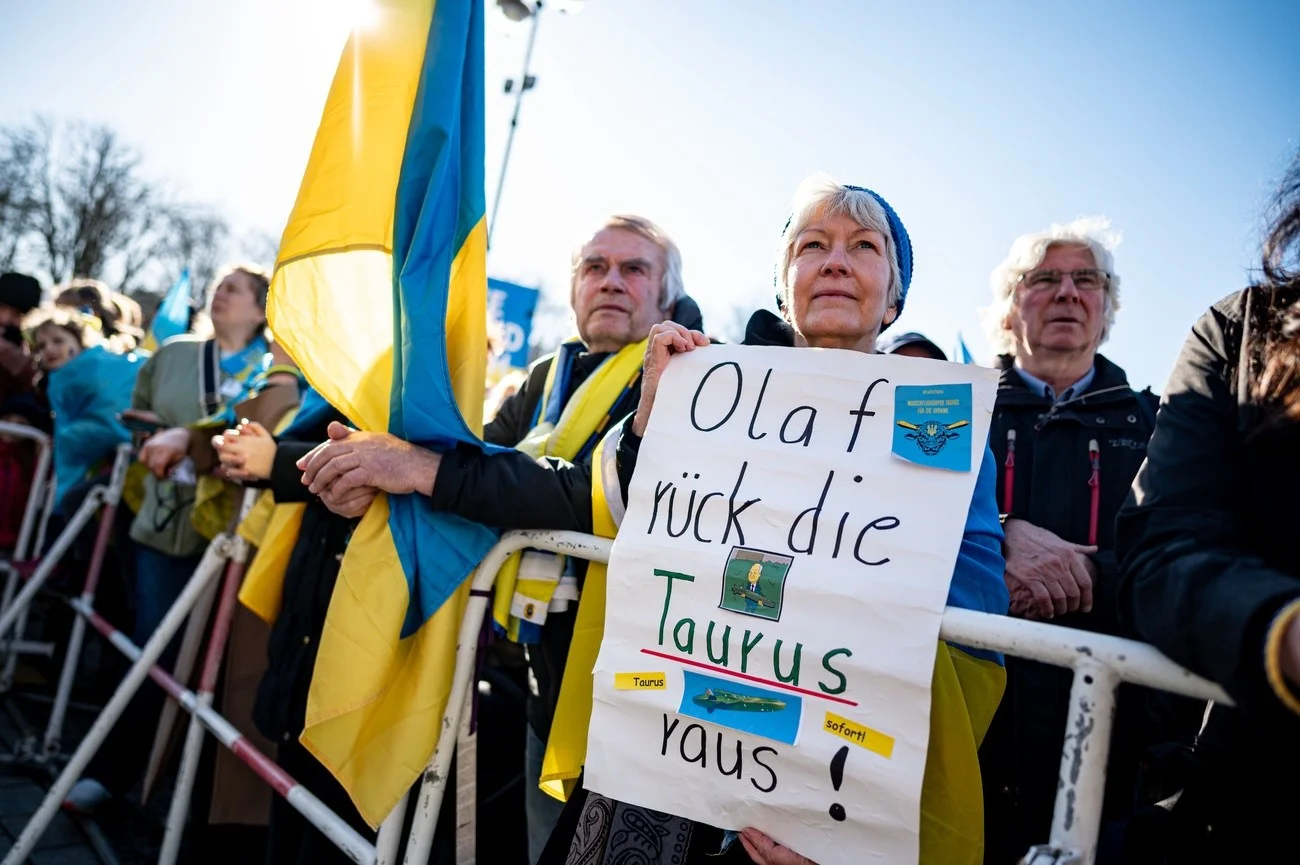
{"x": 87, "y": 386}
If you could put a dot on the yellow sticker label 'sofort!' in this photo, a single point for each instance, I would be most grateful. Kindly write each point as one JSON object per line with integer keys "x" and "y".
{"x": 859, "y": 734}
{"x": 640, "y": 681}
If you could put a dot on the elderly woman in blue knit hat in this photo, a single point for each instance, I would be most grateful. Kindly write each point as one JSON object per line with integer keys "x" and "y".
{"x": 843, "y": 269}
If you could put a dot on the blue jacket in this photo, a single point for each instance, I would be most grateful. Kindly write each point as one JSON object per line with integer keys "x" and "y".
{"x": 86, "y": 396}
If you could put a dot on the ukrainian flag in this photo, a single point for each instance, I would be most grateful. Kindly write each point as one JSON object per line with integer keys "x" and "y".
{"x": 380, "y": 296}
{"x": 173, "y": 315}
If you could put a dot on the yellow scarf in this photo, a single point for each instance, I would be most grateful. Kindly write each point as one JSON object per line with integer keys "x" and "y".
{"x": 566, "y": 748}
{"x": 526, "y": 597}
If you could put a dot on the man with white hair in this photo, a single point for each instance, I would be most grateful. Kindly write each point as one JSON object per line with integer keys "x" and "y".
{"x": 1069, "y": 435}
{"x": 625, "y": 278}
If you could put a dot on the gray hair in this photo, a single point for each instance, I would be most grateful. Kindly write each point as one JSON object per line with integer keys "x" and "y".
{"x": 1028, "y": 252}
{"x": 821, "y": 196}
{"x": 672, "y": 288}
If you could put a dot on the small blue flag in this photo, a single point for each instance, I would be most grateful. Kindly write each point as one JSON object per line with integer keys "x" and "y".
{"x": 961, "y": 353}
{"x": 173, "y": 315}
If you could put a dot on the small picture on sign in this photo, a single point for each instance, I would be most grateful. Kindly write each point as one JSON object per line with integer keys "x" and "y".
{"x": 743, "y": 707}
{"x": 753, "y": 582}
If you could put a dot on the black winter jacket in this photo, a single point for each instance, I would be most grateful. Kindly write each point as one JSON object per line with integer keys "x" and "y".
{"x": 281, "y": 705}
{"x": 1053, "y": 482}
{"x": 1209, "y": 558}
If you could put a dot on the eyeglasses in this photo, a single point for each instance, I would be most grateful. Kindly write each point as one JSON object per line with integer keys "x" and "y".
{"x": 1089, "y": 279}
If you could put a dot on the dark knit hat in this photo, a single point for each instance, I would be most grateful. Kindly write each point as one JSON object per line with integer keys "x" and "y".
{"x": 901, "y": 240}
{"x": 902, "y": 245}
{"x": 20, "y": 291}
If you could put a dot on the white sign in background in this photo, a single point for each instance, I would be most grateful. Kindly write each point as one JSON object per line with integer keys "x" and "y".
{"x": 794, "y": 696}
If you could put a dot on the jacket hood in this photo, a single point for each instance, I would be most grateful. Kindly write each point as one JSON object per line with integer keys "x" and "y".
{"x": 687, "y": 313}
{"x": 767, "y": 328}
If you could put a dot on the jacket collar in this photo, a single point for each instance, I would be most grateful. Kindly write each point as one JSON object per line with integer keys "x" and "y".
{"x": 1109, "y": 384}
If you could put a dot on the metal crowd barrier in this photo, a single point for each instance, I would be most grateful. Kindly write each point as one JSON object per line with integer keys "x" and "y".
{"x": 15, "y": 612}
{"x": 36, "y": 514}
{"x": 1099, "y": 663}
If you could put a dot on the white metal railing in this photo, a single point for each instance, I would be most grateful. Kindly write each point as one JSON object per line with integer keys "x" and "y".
{"x": 1099, "y": 664}
{"x": 36, "y": 514}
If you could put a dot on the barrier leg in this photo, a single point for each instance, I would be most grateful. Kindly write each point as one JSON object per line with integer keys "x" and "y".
{"x": 434, "y": 784}
{"x": 11, "y": 583}
{"x": 466, "y": 787}
{"x": 40, "y": 821}
{"x": 72, "y": 659}
{"x": 330, "y": 824}
{"x": 1076, "y": 819}
{"x": 179, "y": 811}
{"x": 191, "y": 641}
{"x": 390, "y": 833}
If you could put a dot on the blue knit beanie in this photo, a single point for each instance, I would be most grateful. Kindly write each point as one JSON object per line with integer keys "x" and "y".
{"x": 902, "y": 244}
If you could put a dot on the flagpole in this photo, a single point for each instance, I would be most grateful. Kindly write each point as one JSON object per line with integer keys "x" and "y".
{"x": 514, "y": 122}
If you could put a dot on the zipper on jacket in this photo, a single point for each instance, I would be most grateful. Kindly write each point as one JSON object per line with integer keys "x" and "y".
{"x": 1009, "y": 473}
{"x": 1094, "y": 482}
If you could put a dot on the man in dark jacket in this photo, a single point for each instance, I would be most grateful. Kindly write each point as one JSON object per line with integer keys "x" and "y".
{"x": 625, "y": 279}
{"x": 1069, "y": 434}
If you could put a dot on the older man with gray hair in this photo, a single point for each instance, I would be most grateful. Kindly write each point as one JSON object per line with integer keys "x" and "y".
{"x": 1069, "y": 435}
{"x": 625, "y": 278}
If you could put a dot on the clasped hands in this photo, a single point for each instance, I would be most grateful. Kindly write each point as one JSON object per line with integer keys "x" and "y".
{"x": 347, "y": 470}
{"x": 351, "y": 467}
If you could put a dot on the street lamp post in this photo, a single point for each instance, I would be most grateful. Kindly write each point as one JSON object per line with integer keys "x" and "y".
{"x": 516, "y": 11}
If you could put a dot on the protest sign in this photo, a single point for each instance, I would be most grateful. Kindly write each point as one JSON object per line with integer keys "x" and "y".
{"x": 775, "y": 594}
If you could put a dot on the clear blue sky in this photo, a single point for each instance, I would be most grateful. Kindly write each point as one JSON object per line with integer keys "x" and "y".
{"x": 978, "y": 121}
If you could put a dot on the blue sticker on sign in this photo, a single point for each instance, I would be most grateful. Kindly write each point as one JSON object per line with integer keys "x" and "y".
{"x": 932, "y": 425}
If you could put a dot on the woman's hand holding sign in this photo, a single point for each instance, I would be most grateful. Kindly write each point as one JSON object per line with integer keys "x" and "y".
{"x": 666, "y": 339}
{"x": 764, "y": 851}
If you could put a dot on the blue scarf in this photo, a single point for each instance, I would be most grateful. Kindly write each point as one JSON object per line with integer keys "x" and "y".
{"x": 248, "y": 367}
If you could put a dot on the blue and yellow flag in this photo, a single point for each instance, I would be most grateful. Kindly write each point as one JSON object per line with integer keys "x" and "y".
{"x": 380, "y": 296}
{"x": 173, "y": 315}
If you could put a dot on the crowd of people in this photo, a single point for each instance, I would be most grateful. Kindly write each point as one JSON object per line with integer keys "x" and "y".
{"x": 1097, "y": 506}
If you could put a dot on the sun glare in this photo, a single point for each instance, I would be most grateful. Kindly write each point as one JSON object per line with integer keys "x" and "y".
{"x": 352, "y": 14}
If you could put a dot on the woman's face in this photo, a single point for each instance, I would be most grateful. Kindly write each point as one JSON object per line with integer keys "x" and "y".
{"x": 234, "y": 305}
{"x": 55, "y": 346}
{"x": 839, "y": 284}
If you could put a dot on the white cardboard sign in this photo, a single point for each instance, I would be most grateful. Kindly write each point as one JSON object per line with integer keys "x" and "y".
{"x": 776, "y": 589}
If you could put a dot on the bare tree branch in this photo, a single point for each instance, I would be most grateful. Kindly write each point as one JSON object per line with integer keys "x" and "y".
{"x": 74, "y": 202}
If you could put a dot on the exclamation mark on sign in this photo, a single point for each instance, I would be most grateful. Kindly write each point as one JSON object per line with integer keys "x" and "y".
{"x": 837, "y": 778}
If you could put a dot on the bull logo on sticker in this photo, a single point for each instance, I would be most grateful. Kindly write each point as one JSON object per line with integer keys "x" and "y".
{"x": 932, "y": 425}
{"x": 930, "y": 437}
